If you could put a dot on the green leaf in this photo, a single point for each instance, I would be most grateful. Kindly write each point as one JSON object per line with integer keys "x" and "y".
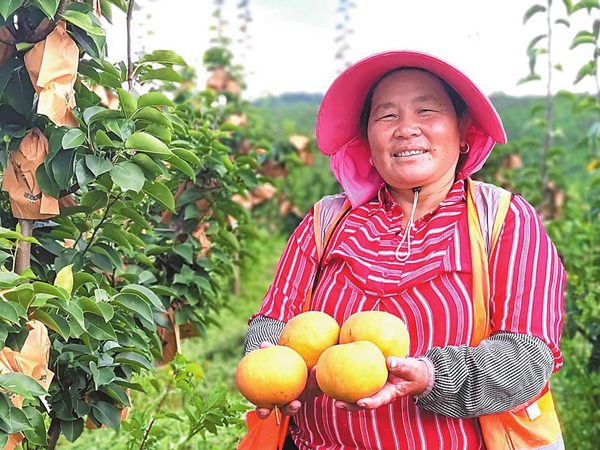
{"x": 534, "y": 41}
{"x": 37, "y": 435}
{"x": 113, "y": 233}
{"x": 159, "y": 131}
{"x": 81, "y": 278}
{"x": 107, "y": 414}
{"x": 8, "y": 312}
{"x": 146, "y": 294}
{"x": 49, "y": 7}
{"x": 90, "y": 306}
{"x": 564, "y": 22}
{"x": 95, "y": 199}
{"x": 82, "y": 173}
{"x": 83, "y": 21}
{"x": 186, "y": 251}
{"x": 64, "y": 279}
{"x": 45, "y": 288}
{"x": 8, "y": 7}
{"x": 530, "y": 77}
{"x": 586, "y": 70}
{"x": 98, "y": 165}
{"x": 95, "y": 113}
{"x": 135, "y": 216}
{"x": 54, "y": 322}
{"x": 162, "y": 74}
{"x": 47, "y": 184}
{"x": 160, "y": 193}
{"x": 103, "y": 140}
{"x": 63, "y": 168}
{"x": 127, "y": 101}
{"x": 71, "y": 429}
{"x": 73, "y": 138}
{"x": 21, "y": 384}
{"x": 99, "y": 329}
{"x": 165, "y": 57}
{"x": 187, "y": 156}
{"x": 144, "y": 142}
{"x": 579, "y": 40}
{"x": 18, "y": 421}
{"x": 133, "y": 359}
{"x": 532, "y": 11}
{"x": 117, "y": 393}
{"x": 153, "y": 99}
{"x": 128, "y": 176}
{"x": 121, "y": 127}
{"x": 182, "y": 166}
{"x": 5, "y": 407}
{"x": 134, "y": 304}
{"x": 147, "y": 163}
{"x": 151, "y": 114}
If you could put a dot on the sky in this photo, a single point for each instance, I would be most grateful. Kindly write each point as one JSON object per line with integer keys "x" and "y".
{"x": 293, "y": 48}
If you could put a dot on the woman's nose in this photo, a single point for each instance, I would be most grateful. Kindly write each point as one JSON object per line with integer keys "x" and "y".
{"x": 406, "y": 129}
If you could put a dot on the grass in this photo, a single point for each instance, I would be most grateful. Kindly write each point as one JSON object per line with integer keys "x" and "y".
{"x": 219, "y": 355}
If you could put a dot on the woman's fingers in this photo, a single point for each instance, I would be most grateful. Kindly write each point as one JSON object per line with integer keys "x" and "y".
{"x": 263, "y": 413}
{"x": 265, "y": 344}
{"x": 346, "y": 406}
{"x": 291, "y": 408}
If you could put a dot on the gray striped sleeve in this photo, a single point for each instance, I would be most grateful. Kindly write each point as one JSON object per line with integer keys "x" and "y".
{"x": 261, "y": 329}
{"x": 502, "y": 372}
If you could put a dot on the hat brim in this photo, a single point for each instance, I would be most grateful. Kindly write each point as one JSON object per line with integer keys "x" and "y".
{"x": 338, "y": 118}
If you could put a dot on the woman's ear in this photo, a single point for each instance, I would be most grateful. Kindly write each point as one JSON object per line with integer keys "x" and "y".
{"x": 463, "y": 125}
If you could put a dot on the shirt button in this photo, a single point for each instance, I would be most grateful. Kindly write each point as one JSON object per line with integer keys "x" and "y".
{"x": 395, "y": 241}
{"x": 385, "y": 274}
{"x": 380, "y": 292}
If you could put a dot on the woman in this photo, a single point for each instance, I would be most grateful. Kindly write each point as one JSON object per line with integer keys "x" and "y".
{"x": 404, "y": 131}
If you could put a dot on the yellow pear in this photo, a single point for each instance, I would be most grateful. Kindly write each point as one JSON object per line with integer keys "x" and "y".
{"x": 310, "y": 334}
{"x": 352, "y": 371}
{"x": 271, "y": 376}
{"x": 386, "y": 331}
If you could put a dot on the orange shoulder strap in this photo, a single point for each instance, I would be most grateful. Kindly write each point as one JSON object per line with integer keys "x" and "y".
{"x": 327, "y": 214}
{"x": 479, "y": 256}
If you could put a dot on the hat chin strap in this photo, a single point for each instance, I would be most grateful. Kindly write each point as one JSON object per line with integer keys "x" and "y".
{"x": 409, "y": 227}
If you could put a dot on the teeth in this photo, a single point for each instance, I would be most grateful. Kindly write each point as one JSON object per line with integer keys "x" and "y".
{"x": 410, "y": 153}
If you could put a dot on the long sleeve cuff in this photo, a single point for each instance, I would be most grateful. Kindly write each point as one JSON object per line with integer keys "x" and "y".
{"x": 502, "y": 372}
{"x": 262, "y": 329}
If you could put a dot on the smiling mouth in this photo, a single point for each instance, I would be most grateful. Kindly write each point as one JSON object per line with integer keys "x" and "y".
{"x": 409, "y": 153}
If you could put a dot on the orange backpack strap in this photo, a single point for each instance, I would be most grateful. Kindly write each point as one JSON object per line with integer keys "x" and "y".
{"x": 532, "y": 425}
{"x": 487, "y": 207}
{"x": 327, "y": 214}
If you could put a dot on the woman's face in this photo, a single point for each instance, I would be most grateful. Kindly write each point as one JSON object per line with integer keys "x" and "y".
{"x": 413, "y": 130}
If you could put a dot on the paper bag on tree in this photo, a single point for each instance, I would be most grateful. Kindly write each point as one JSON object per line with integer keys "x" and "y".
{"x": 27, "y": 200}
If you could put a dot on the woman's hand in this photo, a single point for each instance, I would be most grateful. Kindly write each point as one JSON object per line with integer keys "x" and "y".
{"x": 310, "y": 391}
{"x": 407, "y": 376}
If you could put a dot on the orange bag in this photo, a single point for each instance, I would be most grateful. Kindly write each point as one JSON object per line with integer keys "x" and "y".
{"x": 27, "y": 200}
{"x": 52, "y": 67}
{"x": 31, "y": 360}
{"x": 268, "y": 434}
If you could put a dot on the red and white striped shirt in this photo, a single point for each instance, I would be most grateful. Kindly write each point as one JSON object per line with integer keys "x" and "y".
{"x": 431, "y": 293}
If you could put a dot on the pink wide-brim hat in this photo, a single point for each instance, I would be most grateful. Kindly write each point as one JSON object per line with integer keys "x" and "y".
{"x": 338, "y": 133}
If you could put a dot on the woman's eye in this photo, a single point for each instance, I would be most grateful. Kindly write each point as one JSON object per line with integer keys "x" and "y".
{"x": 388, "y": 116}
{"x": 425, "y": 110}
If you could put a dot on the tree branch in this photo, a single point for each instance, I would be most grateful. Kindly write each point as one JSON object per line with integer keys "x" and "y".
{"x": 129, "y": 60}
{"x": 158, "y": 408}
{"x": 104, "y": 217}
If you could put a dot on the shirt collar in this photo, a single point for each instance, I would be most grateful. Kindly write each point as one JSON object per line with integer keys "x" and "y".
{"x": 384, "y": 198}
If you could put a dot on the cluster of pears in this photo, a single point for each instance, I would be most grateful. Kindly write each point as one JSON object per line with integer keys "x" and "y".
{"x": 351, "y": 361}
